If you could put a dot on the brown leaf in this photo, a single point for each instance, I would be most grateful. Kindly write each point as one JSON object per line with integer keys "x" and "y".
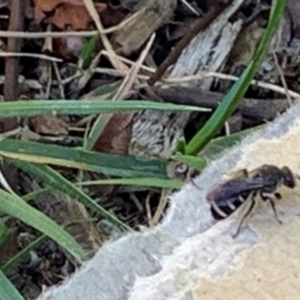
{"x": 49, "y": 125}
{"x": 39, "y": 16}
{"x": 116, "y": 135}
{"x": 115, "y": 139}
{"x": 49, "y": 5}
{"x": 74, "y": 17}
{"x": 46, "y": 5}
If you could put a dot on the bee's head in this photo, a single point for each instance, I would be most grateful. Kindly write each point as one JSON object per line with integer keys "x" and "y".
{"x": 288, "y": 177}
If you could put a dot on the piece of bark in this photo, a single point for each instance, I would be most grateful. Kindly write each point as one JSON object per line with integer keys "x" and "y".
{"x": 210, "y": 48}
{"x": 199, "y": 25}
{"x": 258, "y": 109}
{"x": 240, "y": 56}
{"x": 156, "y": 133}
{"x": 49, "y": 125}
{"x": 153, "y": 14}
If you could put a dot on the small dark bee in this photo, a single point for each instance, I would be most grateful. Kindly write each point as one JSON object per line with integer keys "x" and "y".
{"x": 263, "y": 183}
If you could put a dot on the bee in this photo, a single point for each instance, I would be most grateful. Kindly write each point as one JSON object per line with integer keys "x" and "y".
{"x": 246, "y": 188}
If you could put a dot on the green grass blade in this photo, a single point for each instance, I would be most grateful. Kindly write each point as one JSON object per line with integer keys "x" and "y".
{"x": 104, "y": 92}
{"x": 109, "y": 164}
{"x": 7, "y": 290}
{"x": 96, "y": 131}
{"x": 58, "y": 182}
{"x": 198, "y": 163}
{"x": 83, "y": 107}
{"x": 16, "y": 259}
{"x": 232, "y": 99}
{"x": 86, "y": 53}
{"x": 31, "y": 196}
{"x": 218, "y": 145}
{"x": 139, "y": 182}
{"x": 213, "y": 149}
{"x": 151, "y": 182}
{"x": 18, "y": 208}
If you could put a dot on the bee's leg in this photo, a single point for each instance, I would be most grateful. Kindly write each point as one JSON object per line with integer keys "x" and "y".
{"x": 272, "y": 202}
{"x": 245, "y": 215}
{"x": 275, "y": 211}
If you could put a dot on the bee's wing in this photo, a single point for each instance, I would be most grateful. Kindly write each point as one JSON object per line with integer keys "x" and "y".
{"x": 233, "y": 189}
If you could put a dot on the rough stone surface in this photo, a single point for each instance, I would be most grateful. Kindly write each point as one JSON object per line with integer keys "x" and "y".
{"x": 190, "y": 257}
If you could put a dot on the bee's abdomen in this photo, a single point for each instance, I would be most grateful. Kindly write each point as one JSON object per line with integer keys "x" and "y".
{"x": 222, "y": 210}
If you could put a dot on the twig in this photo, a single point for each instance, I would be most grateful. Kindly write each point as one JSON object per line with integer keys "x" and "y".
{"x": 41, "y": 35}
{"x": 11, "y": 88}
{"x": 190, "y": 7}
{"x": 201, "y": 75}
{"x": 94, "y": 15}
{"x": 283, "y": 80}
{"x": 163, "y": 201}
{"x": 31, "y": 55}
{"x": 132, "y": 74}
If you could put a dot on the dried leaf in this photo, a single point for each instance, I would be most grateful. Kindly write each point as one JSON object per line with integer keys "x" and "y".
{"x": 74, "y": 17}
{"x": 152, "y": 15}
{"x": 49, "y": 5}
{"x": 49, "y": 125}
{"x": 39, "y": 16}
{"x": 116, "y": 135}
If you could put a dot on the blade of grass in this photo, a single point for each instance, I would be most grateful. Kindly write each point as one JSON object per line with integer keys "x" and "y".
{"x": 213, "y": 149}
{"x": 81, "y": 107}
{"x": 16, "y": 259}
{"x": 92, "y": 135}
{"x": 140, "y": 182}
{"x": 109, "y": 164}
{"x": 232, "y": 99}
{"x": 151, "y": 182}
{"x": 198, "y": 163}
{"x": 58, "y": 182}
{"x": 18, "y": 208}
{"x": 103, "y": 91}
{"x": 31, "y": 196}
{"x": 218, "y": 145}
{"x": 96, "y": 131}
{"x": 87, "y": 51}
{"x": 7, "y": 289}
